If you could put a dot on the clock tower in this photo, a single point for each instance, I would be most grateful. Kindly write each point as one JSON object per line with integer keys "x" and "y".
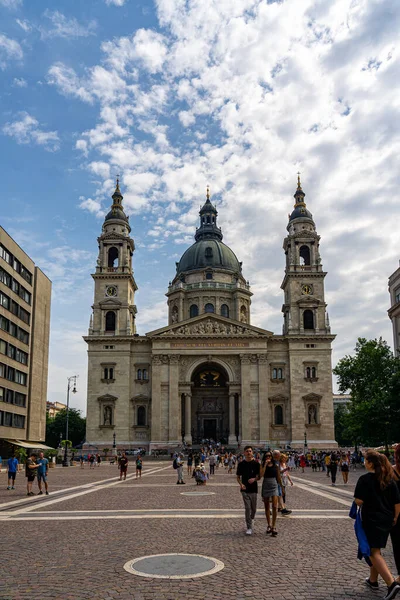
{"x": 114, "y": 307}
{"x": 304, "y": 307}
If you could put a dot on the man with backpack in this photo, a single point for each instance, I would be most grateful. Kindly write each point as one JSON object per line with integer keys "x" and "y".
{"x": 178, "y": 466}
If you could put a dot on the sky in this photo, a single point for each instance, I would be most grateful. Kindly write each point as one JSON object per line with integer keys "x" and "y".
{"x": 177, "y": 94}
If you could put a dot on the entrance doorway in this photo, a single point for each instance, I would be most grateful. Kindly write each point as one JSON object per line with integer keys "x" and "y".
{"x": 210, "y": 429}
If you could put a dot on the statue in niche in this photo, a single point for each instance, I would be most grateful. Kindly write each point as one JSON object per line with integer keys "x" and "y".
{"x": 107, "y": 415}
{"x": 312, "y": 414}
{"x": 174, "y": 317}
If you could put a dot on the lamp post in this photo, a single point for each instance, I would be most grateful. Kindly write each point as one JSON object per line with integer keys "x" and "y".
{"x": 305, "y": 441}
{"x": 71, "y": 379}
{"x": 114, "y": 444}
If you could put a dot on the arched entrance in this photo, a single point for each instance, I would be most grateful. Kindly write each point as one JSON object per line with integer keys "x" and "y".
{"x": 210, "y": 403}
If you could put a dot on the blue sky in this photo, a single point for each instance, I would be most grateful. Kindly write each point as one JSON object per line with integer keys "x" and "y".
{"x": 177, "y": 94}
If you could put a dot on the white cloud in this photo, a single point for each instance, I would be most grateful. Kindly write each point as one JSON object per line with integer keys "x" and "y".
{"x": 24, "y": 24}
{"x": 93, "y": 206}
{"x": 11, "y": 3}
{"x": 26, "y": 130}
{"x": 19, "y": 82}
{"x": 9, "y": 50}
{"x": 63, "y": 27}
{"x": 68, "y": 82}
{"x": 115, "y": 2}
{"x": 146, "y": 47}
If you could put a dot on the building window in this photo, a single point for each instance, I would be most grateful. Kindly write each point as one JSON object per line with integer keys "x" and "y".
{"x": 194, "y": 311}
{"x": 113, "y": 257}
{"x": 110, "y": 321}
{"x": 4, "y": 301}
{"x": 3, "y": 347}
{"x": 139, "y": 374}
{"x": 2, "y": 392}
{"x": 277, "y": 373}
{"x": 209, "y": 251}
{"x": 310, "y": 372}
{"x": 308, "y": 319}
{"x": 20, "y": 377}
{"x": 19, "y": 399}
{"x": 9, "y": 397}
{"x": 109, "y": 373}
{"x": 305, "y": 256}
{"x": 278, "y": 414}
{"x": 19, "y": 421}
{"x": 209, "y": 308}
{"x": 225, "y": 310}
{"x": 209, "y": 275}
{"x": 7, "y": 421}
{"x": 141, "y": 416}
{"x": 145, "y": 375}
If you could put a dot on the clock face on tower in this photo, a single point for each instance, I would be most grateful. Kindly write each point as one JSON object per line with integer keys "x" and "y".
{"x": 111, "y": 291}
{"x": 306, "y": 289}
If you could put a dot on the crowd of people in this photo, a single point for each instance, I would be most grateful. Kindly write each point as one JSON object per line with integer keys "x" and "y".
{"x": 36, "y": 467}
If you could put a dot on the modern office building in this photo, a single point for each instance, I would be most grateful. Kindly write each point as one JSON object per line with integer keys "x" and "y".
{"x": 25, "y": 299}
{"x": 394, "y": 310}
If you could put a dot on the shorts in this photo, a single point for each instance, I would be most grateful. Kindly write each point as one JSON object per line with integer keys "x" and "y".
{"x": 11, "y": 475}
{"x": 42, "y": 477}
{"x": 138, "y": 468}
{"x": 30, "y": 478}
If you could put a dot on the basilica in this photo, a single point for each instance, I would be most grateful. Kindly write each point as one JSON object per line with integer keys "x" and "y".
{"x": 209, "y": 373}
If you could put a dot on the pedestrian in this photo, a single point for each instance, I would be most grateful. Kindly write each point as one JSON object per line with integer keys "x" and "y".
{"x": 269, "y": 492}
{"x": 333, "y": 468}
{"x": 286, "y": 480}
{"x": 248, "y": 473}
{"x": 211, "y": 461}
{"x": 190, "y": 463}
{"x": 81, "y": 461}
{"x": 91, "y": 461}
{"x": 328, "y": 465}
{"x": 98, "y": 459}
{"x": 302, "y": 462}
{"x": 12, "y": 468}
{"x": 178, "y": 465}
{"x": 123, "y": 466}
{"x": 395, "y": 532}
{"x": 139, "y": 466}
{"x": 30, "y": 472}
{"x": 344, "y": 467}
{"x": 377, "y": 494}
{"x": 42, "y": 472}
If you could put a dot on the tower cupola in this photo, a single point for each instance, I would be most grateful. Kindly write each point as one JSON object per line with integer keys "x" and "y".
{"x": 117, "y": 210}
{"x": 300, "y": 210}
{"x": 208, "y": 221}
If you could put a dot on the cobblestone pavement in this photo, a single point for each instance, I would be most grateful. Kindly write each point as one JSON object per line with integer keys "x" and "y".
{"x": 73, "y": 544}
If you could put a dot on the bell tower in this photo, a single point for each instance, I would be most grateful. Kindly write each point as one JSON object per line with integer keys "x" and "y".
{"x": 304, "y": 307}
{"x": 114, "y": 307}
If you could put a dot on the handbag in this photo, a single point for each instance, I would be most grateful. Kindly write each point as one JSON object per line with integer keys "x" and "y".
{"x": 364, "y": 550}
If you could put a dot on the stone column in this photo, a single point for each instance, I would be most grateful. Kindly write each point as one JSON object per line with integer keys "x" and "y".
{"x": 155, "y": 435}
{"x": 188, "y": 418}
{"x": 174, "y": 413}
{"x": 181, "y": 316}
{"x": 245, "y": 396}
{"x": 263, "y": 404}
{"x": 232, "y": 436}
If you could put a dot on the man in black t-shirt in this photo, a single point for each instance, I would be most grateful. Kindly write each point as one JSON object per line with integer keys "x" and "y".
{"x": 248, "y": 473}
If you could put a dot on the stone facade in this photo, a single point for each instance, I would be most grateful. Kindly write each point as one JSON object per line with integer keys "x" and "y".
{"x": 210, "y": 373}
{"x": 394, "y": 310}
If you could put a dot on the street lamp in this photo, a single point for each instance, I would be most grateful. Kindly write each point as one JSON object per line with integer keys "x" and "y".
{"x": 305, "y": 441}
{"x": 71, "y": 379}
{"x": 114, "y": 444}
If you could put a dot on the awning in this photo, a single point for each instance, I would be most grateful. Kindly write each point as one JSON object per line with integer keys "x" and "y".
{"x": 31, "y": 445}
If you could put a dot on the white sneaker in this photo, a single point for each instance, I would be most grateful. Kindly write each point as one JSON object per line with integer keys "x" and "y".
{"x": 249, "y": 532}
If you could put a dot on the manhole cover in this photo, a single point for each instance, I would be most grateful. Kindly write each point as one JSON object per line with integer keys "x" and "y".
{"x": 174, "y": 566}
{"x": 197, "y": 493}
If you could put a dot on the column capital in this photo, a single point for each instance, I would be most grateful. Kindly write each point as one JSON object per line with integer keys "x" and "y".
{"x": 245, "y": 359}
{"x": 262, "y": 358}
{"x": 174, "y": 359}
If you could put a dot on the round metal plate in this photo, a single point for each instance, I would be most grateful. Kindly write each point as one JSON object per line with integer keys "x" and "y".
{"x": 173, "y": 566}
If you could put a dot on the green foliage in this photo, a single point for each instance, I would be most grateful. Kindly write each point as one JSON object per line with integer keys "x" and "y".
{"x": 57, "y": 425}
{"x": 343, "y": 432}
{"x": 106, "y": 451}
{"x": 50, "y": 453}
{"x": 67, "y": 443}
{"x": 372, "y": 377}
{"x": 21, "y": 454}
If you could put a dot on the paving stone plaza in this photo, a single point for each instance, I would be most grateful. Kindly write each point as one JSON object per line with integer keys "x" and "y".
{"x": 83, "y": 540}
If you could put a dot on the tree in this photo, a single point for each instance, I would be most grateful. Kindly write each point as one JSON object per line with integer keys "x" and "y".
{"x": 343, "y": 431}
{"x": 106, "y": 451}
{"x": 372, "y": 377}
{"x": 57, "y": 425}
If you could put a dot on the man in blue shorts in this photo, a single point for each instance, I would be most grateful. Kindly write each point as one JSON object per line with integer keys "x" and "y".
{"x": 12, "y": 466}
{"x": 42, "y": 472}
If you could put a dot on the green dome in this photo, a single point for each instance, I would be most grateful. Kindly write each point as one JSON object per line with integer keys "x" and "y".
{"x": 208, "y": 253}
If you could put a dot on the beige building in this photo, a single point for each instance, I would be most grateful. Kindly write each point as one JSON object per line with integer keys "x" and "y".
{"x": 25, "y": 298}
{"x": 209, "y": 373}
{"x": 394, "y": 310}
{"x": 53, "y": 408}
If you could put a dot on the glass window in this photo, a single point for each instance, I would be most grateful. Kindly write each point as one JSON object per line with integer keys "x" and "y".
{"x": 308, "y": 319}
{"x": 209, "y": 275}
{"x": 13, "y": 329}
{"x": 24, "y": 316}
{"x": 209, "y": 308}
{"x": 23, "y": 336}
{"x": 9, "y": 396}
{"x": 2, "y": 392}
{"x": 110, "y": 321}
{"x": 2, "y": 370}
{"x": 225, "y": 310}
{"x": 139, "y": 374}
{"x": 145, "y": 375}
{"x": 4, "y": 301}
{"x": 141, "y": 416}
{"x": 6, "y": 255}
{"x": 11, "y": 351}
{"x": 19, "y": 399}
{"x": 280, "y": 373}
{"x": 1, "y": 417}
{"x": 111, "y": 373}
{"x": 3, "y": 347}
{"x": 7, "y": 419}
{"x": 19, "y": 421}
{"x": 14, "y": 308}
{"x": 4, "y": 323}
{"x": 25, "y": 295}
{"x": 278, "y": 417}
{"x": 15, "y": 286}
{"x": 20, "y": 377}
{"x": 10, "y": 373}
{"x": 27, "y": 275}
{"x": 194, "y": 311}
{"x": 21, "y": 356}
{"x": 274, "y": 373}
{"x": 5, "y": 278}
